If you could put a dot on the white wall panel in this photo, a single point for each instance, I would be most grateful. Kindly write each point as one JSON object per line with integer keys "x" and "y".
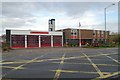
{"x": 20, "y": 32}
{"x": 27, "y": 32}
{"x": 55, "y": 33}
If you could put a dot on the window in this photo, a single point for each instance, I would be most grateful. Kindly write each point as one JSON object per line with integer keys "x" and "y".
{"x": 74, "y": 32}
{"x": 50, "y": 29}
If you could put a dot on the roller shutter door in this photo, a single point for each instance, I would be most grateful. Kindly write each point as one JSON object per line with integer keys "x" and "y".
{"x": 45, "y": 41}
{"x": 57, "y": 40}
{"x": 32, "y": 41}
{"x": 18, "y": 41}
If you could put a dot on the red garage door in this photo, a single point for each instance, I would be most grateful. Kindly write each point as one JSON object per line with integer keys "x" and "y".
{"x": 45, "y": 41}
{"x": 32, "y": 41}
{"x": 57, "y": 40}
{"x": 18, "y": 41}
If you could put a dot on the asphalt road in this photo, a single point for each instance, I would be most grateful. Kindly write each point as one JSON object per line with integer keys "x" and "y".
{"x": 57, "y": 63}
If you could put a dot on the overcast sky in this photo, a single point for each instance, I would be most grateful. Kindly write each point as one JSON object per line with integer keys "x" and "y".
{"x": 35, "y": 15}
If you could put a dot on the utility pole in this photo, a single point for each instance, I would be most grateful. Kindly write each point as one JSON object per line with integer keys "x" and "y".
{"x": 105, "y": 21}
{"x": 79, "y": 35}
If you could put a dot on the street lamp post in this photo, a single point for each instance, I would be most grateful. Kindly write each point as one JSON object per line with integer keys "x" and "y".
{"x": 105, "y": 21}
{"x": 80, "y": 38}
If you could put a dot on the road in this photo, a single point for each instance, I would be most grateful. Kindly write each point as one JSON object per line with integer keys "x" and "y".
{"x": 58, "y": 63}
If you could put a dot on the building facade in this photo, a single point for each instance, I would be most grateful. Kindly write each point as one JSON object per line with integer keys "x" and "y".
{"x": 33, "y": 39}
{"x": 84, "y": 36}
{"x": 69, "y": 36}
{"x": 52, "y": 38}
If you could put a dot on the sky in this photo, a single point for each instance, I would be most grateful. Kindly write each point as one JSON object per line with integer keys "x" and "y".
{"x": 35, "y": 15}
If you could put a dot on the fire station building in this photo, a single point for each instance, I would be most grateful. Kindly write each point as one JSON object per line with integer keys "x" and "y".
{"x": 83, "y": 36}
{"x": 35, "y": 39}
{"x": 52, "y": 38}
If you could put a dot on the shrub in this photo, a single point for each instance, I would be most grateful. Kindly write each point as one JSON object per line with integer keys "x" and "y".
{"x": 73, "y": 44}
{"x": 5, "y": 47}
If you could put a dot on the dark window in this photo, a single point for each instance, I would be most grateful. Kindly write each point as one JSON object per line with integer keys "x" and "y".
{"x": 51, "y": 29}
{"x": 75, "y": 33}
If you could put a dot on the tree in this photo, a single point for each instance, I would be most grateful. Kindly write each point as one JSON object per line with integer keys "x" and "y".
{"x": 115, "y": 38}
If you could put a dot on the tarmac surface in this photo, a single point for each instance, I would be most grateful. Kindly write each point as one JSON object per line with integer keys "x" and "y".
{"x": 57, "y": 63}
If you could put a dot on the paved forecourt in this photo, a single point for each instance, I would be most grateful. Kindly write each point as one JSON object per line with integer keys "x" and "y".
{"x": 59, "y": 63}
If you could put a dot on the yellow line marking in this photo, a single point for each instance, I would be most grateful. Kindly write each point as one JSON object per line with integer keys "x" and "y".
{"x": 102, "y": 55}
{"x": 10, "y": 67}
{"x": 78, "y": 57}
{"x": 106, "y": 65}
{"x": 16, "y": 68}
{"x": 87, "y": 64}
{"x": 107, "y": 76}
{"x": 113, "y": 59}
{"x": 74, "y": 71}
{"x": 57, "y": 74}
{"x": 29, "y": 61}
{"x": 94, "y": 65}
{"x": 97, "y": 59}
{"x": 26, "y": 63}
{"x": 110, "y": 75}
{"x": 110, "y": 58}
{"x": 12, "y": 62}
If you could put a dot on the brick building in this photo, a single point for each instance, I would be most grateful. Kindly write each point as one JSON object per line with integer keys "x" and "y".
{"x": 84, "y": 36}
